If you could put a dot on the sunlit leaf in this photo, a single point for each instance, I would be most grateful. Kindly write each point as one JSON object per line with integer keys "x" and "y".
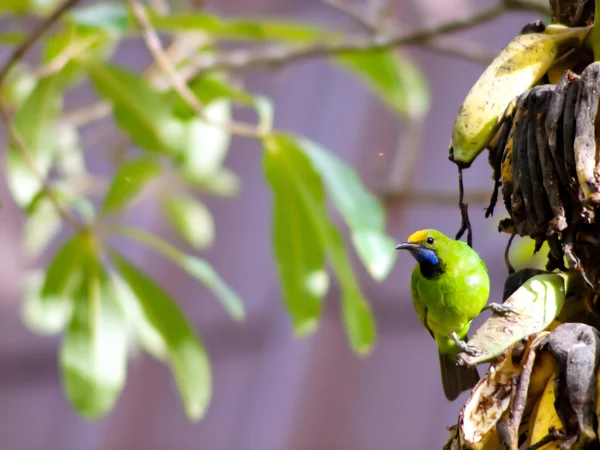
{"x": 41, "y": 226}
{"x": 65, "y": 50}
{"x": 191, "y": 219}
{"x": 393, "y": 77}
{"x": 195, "y": 267}
{"x": 112, "y": 17}
{"x": 187, "y": 358}
{"x": 40, "y": 316}
{"x": 223, "y": 182}
{"x": 146, "y": 335}
{"x": 361, "y": 210}
{"x": 521, "y": 254}
{"x": 207, "y": 144}
{"x": 93, "y": 355}
{"x": 139, "y": 109}
{"x": 70, "y": 162}
{"x": 62, "y": 276}
{"x": 210, "y": 88}
{"x": 129, "y": 180}
{"x": 283, "y": 155}
{"x": 18, "y": 85}
{"x": 35, "y": 122}
{"x": 297, "y": 243}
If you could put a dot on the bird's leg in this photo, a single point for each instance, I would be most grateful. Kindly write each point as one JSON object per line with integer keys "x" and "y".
{"x": 469, "y": 349}
{"x": 499, "y": 309}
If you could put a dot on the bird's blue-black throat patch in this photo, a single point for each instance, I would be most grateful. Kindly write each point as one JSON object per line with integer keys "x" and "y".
{"x": 429, "y": 263}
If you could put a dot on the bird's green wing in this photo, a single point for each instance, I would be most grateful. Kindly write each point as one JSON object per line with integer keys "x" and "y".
{"x": 418, "y": 304}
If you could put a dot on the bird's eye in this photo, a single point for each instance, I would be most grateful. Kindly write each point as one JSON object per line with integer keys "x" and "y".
{"x": 430, "y": 240}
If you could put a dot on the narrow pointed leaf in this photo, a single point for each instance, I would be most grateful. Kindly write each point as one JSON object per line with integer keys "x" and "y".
{"x": 139, "y": 109}
{"x": 361, "y": 210}
{"x": 62, "y": 277}
{"x": 190, "y": 219}
{"x": 41, "y": 226}
{"x": 35, "y": 122}
{"x": 195, "y": 267}
{"x": 298, "y": 245}
{"x": 43, "y": 317}
{"x": 93, "y": 355}
{"x": 129, "y": 181}
{"x": 207, "y": 145}
{"x": 146, "y": 334}
{"x": 112, "y": 17}
{"x": 187, "y": 357}
{"x": 283, "y": 153}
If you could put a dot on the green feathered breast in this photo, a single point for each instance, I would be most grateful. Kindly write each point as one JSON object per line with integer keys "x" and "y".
{"x": 450, "y": 286}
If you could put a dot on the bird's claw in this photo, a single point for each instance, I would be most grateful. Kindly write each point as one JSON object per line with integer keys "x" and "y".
{"x": 469, "y": 349}
{"x": 499, "y": 309}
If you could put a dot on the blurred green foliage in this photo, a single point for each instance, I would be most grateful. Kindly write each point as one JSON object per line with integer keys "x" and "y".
{"x": 101, "y": 302}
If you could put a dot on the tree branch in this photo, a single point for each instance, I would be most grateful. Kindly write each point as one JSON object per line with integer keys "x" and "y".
{"x": 17, "y": 138}
{"x": 458, "y": 48}
{"x": 434, "y": 198}
{"x": 179, "y": 85}
{"x": 276, "y": 55}
{"x": 283, "y": 54}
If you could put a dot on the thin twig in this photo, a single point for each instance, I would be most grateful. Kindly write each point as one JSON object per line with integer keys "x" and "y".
{"x": 158, "y": 52}
{"x": 243, "y": 59}
{"x": 406, "y": 194}
{"x": 276, "y": 55}
{"x": 458, "y": 48}
{"x": 13, "y": 59}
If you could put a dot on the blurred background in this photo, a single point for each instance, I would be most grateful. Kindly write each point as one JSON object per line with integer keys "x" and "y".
{"x": 272, "y": 391}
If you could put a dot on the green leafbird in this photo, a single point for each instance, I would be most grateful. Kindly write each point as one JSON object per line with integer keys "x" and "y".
{"x": 450, "y": 286}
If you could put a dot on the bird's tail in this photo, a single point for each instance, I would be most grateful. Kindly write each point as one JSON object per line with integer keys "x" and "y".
{"x": 456, "y": 379}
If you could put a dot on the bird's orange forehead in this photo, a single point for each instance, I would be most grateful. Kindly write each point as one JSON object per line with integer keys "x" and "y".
{"x": 417, "y": 236}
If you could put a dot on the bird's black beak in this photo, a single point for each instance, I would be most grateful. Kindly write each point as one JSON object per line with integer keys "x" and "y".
{"x": 407, "y": 246}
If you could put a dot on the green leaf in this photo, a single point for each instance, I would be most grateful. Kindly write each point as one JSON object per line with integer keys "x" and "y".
{"x": 210, "y": 88}
{"x": 143, "y": 112}
{"x": 93, "y": 354}
{"x": 187, "y": 357}
{"x": 298, "y": 245}
{"x": 196, "y": 267}
{"x": 35, "y": 122}
{"x": 12, "y": 38}
{"x": 111, "y": 17}
{"x": 254, "y": 30}
{"x": 191, "y": 219}
{"x": 394, "y": 78}
{"x": 288, "y": 167}
{"x": 18, "y": 86}
{"x": 145, "y": 333}
{"x": 223, "y": 182}
{"x": 361, "y": 210}
{"x": 207, "y": 144}
{"x": 41, "y": 226}
{"x": 521, "y": 254}
{"x": 129, "y": 180}
{"x": 70, "y": 163}
{"x": 39, "y": 315}
{"x": 62, "y": 276}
